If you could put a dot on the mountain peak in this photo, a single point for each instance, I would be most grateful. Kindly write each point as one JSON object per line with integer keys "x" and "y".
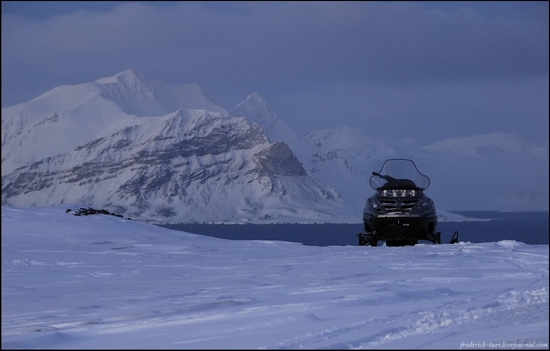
{"x": 254, "y": 103}
{"x": 127, "y": 77}
{"x": 255, "y": 96}
{"x": 128, "y": 73}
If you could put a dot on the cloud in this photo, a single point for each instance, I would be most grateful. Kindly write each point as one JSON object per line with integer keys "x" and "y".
{"x": 287, "y": 43}
{"x": 279, "y": 48}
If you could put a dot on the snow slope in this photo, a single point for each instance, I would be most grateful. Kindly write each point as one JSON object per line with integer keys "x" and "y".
{"x": 99, "y": 281}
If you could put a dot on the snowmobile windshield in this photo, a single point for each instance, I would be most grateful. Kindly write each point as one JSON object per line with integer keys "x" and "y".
{"x": 399, "y": 173}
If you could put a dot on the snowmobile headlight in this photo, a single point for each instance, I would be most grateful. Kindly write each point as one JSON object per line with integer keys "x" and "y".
{"x": 398, "y": 192}
{"x": 373, "y": 203}
{"x": 425, "y": 203}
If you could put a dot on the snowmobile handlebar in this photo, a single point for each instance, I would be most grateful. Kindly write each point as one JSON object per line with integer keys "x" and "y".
{"x": 386, "y": 177}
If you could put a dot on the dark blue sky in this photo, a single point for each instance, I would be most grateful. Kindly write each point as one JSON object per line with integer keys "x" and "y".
{"x": 425, "y": 71}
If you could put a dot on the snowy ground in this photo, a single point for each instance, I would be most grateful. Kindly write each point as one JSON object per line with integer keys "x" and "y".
{"x": 101, "y": 281}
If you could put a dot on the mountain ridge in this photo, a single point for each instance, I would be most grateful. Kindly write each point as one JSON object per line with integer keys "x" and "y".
{"x": 191, "y": 165}
{"x": 326, "y": 179}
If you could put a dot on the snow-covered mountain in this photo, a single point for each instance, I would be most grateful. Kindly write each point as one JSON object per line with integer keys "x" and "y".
{"x": 190, "y": 165}
{"x": 197, "y": 164}
{"x": 342, "y": 157}
{"x": 71, "y": 115}
{"x": 501, "y": 171}
{"x": 168, "y": 154}
{"x": 505, "y": 172}
{"x": 494, "y": 171}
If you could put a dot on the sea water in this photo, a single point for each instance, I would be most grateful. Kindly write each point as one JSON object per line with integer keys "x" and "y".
{"x": 526, "y": 227}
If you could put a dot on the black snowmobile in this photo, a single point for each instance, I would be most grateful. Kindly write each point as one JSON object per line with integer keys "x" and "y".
{"x": 399, "y": 213}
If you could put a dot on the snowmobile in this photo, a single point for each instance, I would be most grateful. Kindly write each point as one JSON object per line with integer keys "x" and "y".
{"x": 399, "y": 212}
